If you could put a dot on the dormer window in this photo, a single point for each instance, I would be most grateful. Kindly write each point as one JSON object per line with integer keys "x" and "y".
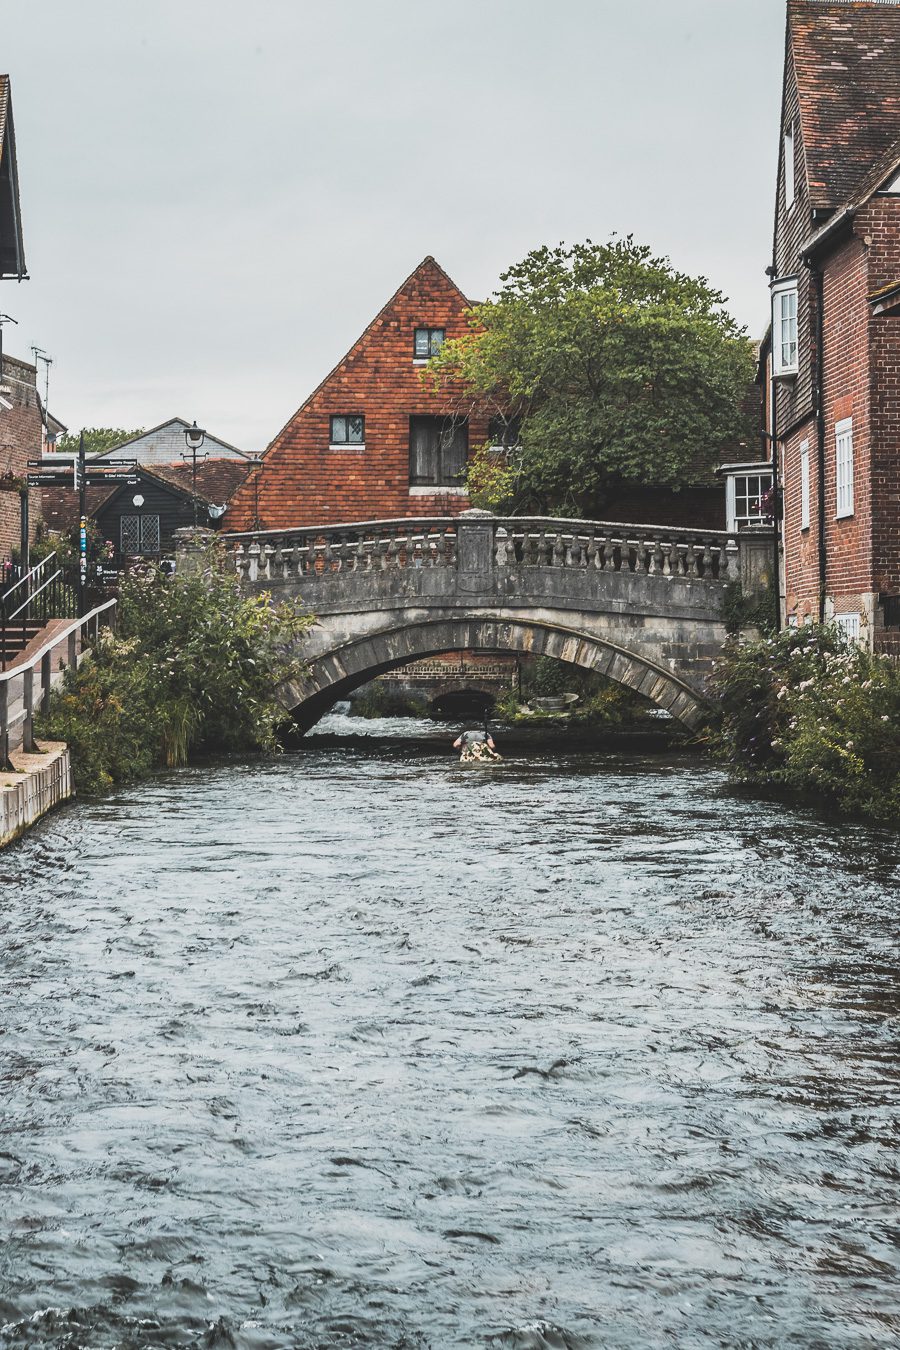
{"x": 428, "y": 342}
{"x": 789, "y": 167}
{"x": 785, "y": 353}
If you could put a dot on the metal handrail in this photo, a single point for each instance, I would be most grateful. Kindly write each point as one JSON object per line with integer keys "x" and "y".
{"x": 27, "y": 577}
{"x": 34, "y": 594}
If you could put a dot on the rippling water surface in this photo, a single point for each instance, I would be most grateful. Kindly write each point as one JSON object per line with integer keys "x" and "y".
{"x": 375, "y": 1050}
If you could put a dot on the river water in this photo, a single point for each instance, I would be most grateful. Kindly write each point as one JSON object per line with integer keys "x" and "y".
{"x": 375, "y": 1050}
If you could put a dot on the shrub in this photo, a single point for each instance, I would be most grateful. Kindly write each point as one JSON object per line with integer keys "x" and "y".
{"x": 812, "y": 711}
{"x": 194, "y": 668}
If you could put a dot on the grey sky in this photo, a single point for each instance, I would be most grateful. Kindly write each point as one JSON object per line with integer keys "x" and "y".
{"x": 218, "y": 196}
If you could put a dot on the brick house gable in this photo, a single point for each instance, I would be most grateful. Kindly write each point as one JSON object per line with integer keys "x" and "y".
{"x": 304, "y": 479}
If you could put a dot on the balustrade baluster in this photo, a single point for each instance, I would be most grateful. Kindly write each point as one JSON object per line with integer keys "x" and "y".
{"x": 728, "y": 556}
{"x": 239, "y": 559}
{"x": 393, "y": 551}
{"x": 557, "y": 556}
{"x": 592, "y": 553}
{"x": 501, "y": 547}
{"x": 707, "y": 560}
{"x": 253, "y": 560}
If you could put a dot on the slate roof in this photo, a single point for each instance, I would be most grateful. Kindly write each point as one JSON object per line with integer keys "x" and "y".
{"x": 847, "y": 65}
{"x": 115, "y": 450}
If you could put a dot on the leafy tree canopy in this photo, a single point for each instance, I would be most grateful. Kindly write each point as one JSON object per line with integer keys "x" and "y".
{"x": 96, "y": 439}
{"x": 618, "y": 368}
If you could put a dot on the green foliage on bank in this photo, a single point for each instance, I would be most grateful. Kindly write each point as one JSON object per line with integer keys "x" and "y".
{"x": 192, "y": 669}
{"x": 808, "y": 710}
{"x": 615, "y": 369}
{"x": 741, "y": 611}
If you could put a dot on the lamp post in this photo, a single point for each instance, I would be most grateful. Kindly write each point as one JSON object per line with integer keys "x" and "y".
{"x": 194, "y": 437}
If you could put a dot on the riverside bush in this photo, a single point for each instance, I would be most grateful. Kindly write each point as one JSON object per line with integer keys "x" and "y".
{"x": 812, "y": 711}
{"x": 193, "y": 668}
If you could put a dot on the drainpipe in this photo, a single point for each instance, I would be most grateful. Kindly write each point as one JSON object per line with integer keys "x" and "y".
{"x": 819, "y": 395}
{"x": 776, "y": 513}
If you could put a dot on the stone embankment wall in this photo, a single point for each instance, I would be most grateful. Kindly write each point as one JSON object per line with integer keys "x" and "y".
{"x": 39, "y": 782}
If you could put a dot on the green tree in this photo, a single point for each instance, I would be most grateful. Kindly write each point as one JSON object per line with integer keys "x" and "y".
{"x": 194, "y": 667}
{"x": 617, "y": 368}
{"x": 96, "y": 439}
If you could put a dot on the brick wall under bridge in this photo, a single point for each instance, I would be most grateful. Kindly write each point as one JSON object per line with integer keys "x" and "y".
{"x": 640, "y": 604}
{"x": 435, "y": 680}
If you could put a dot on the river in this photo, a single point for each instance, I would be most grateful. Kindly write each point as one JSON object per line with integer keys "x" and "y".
{"x": 349, "y": 1049}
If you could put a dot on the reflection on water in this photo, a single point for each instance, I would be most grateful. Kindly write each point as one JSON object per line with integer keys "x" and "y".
{"x": 333, "y": 1051}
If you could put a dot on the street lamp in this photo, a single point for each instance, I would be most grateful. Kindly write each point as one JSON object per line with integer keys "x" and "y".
{"x": 194, "y": 437}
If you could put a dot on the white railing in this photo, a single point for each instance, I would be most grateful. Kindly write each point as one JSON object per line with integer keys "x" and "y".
{"x": 17, "y": 685}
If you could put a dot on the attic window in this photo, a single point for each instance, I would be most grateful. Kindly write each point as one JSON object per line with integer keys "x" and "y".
{"x": 428, "y": 342}
{"x": 348, "y": 429}
{"x": 789, "y": 167}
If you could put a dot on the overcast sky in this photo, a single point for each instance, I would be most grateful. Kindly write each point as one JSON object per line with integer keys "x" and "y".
{"x": 218, "y": 196}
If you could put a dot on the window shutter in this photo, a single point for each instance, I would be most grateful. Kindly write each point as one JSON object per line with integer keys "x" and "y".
{"x": 423, "y": 450}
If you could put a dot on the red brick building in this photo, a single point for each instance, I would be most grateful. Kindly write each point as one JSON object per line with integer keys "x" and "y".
{"x": 371, "y": 442}
{"x": 833, "y": 360}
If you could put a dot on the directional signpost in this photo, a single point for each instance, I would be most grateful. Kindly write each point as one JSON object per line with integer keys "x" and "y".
{"x": 79, "y": 474}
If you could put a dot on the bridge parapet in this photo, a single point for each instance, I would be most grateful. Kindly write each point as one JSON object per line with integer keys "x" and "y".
{"x": 478, "y": 542}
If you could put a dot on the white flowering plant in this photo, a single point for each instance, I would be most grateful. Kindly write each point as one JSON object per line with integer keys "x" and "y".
{"x": 813, "y": 711}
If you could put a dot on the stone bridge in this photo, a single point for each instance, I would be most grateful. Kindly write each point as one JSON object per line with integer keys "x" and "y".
{"x": 641, "y": 604}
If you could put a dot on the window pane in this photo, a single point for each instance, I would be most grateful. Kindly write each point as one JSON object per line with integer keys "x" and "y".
{"x": 338, "y": 430}
{"x": 424, "y": 434}
{"x": 149, "y": 534}
{"x": 454, "y": 451}
{"x": 422, "y": 343}
{"x": 355, "y": 430}
{"x": 130, "y": 534}
{"x": 437, "y": 340}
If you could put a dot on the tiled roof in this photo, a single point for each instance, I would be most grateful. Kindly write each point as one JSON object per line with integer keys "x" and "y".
{"x": 217, "y": 479}
{"x": 847, "y": 65}
{"x": 59, "y": 505}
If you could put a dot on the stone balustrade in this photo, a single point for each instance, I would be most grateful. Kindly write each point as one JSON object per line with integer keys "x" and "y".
{"x": 495, "y": 543}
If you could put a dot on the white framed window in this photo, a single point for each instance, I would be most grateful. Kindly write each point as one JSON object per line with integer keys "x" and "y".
{"x": 785, "y": 354}
{"x": 804, "y": 485}
{"x": 789, "y": 167}
{"x": 843, "y": 463}
{"x": 743, "y": 494}
{"x": 849, "y": 626}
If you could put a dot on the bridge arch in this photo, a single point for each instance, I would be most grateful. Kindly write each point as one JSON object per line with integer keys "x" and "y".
{"x": 336, "y": 671}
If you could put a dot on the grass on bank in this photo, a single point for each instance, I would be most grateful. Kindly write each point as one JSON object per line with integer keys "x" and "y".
{"x": 192, "y": 668}
{"x": 808, "y": 710}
